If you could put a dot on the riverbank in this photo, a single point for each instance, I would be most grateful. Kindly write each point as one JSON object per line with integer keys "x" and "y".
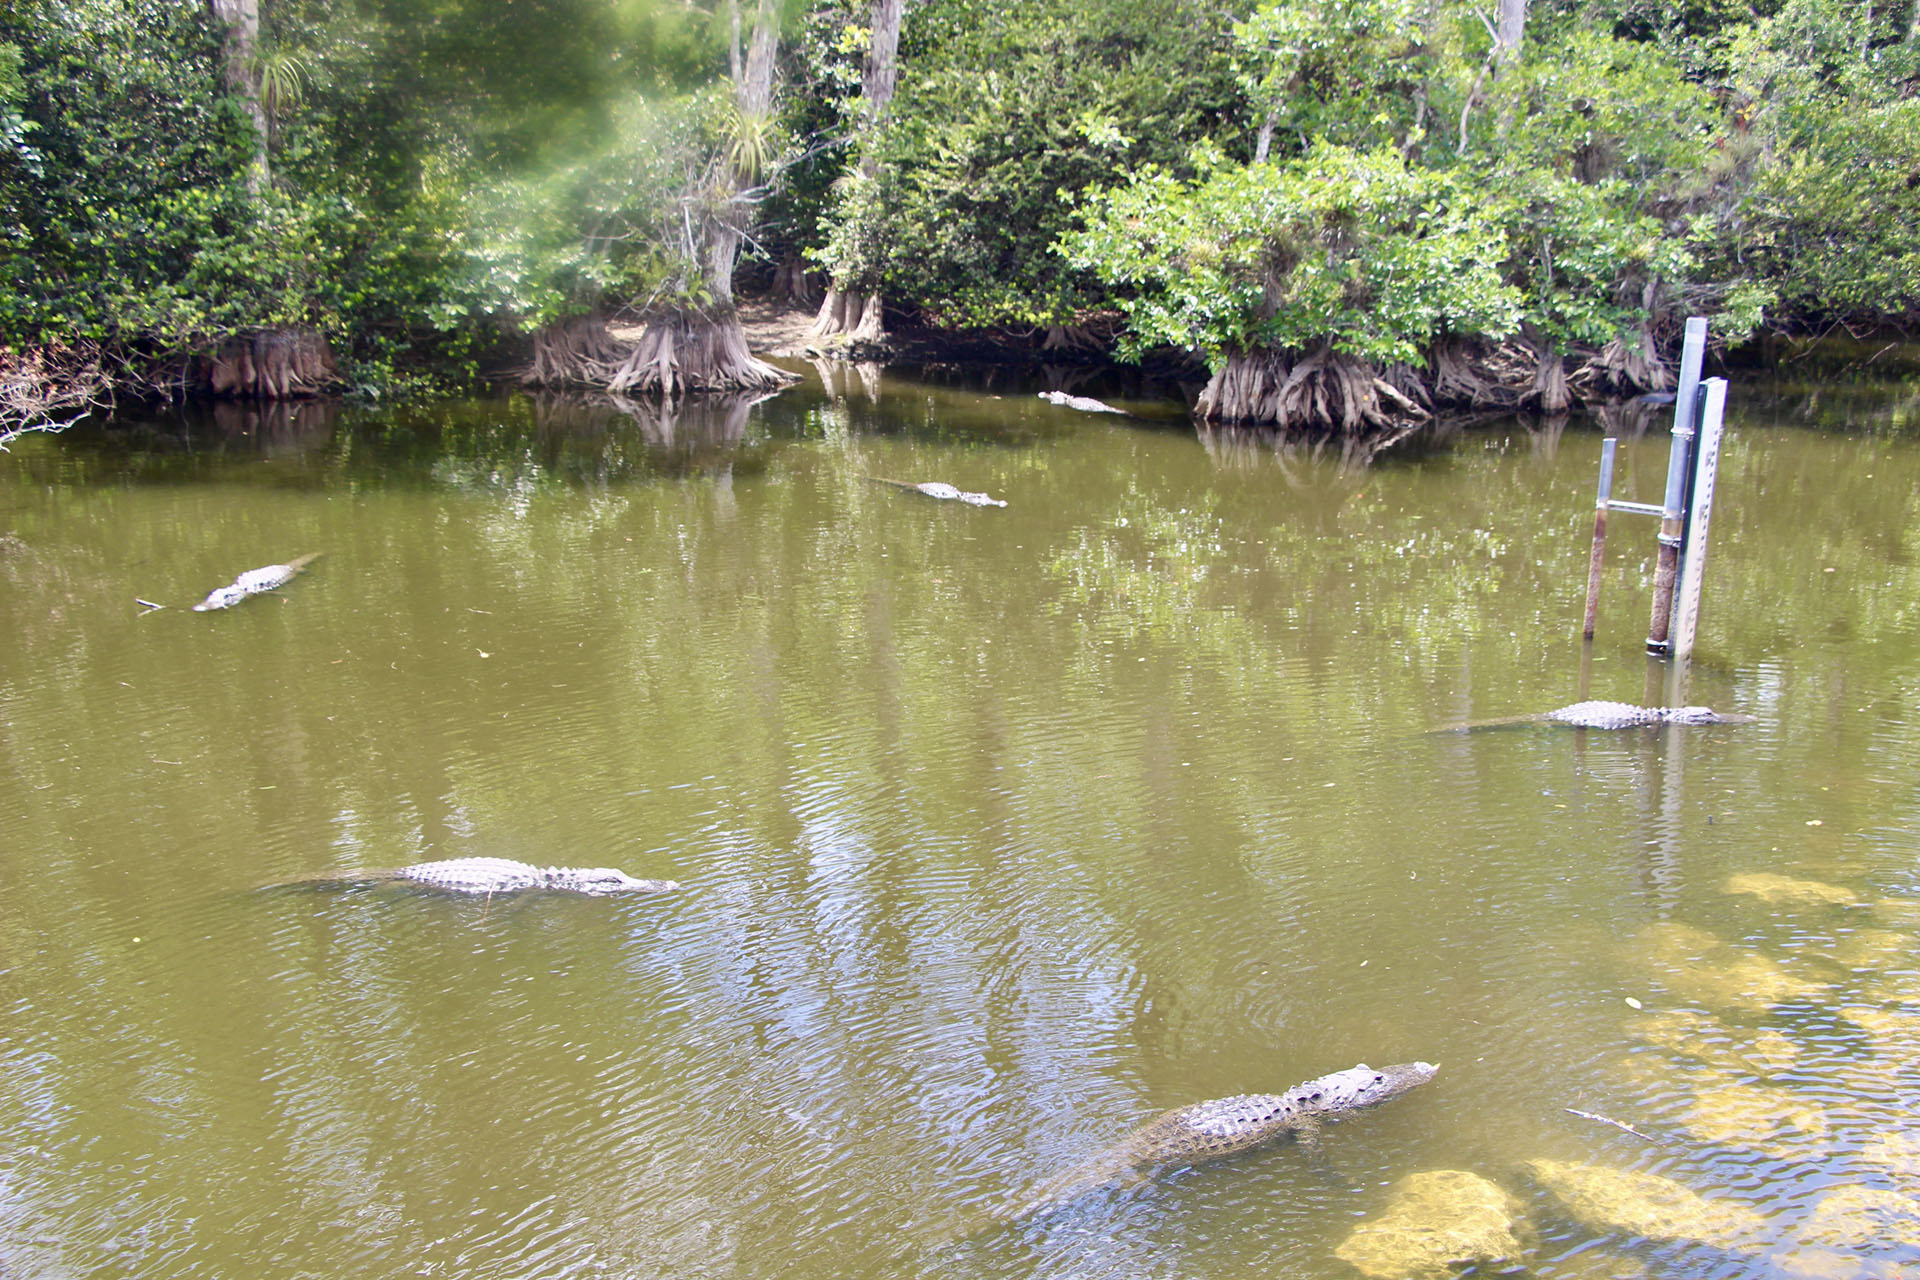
{"x": 780, "y": 331}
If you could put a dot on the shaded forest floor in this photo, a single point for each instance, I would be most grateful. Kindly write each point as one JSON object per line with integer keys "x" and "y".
{"x": 777, "y": 330}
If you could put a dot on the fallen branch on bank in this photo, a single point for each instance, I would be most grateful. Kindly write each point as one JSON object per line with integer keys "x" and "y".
{"x": 49, "y": 389}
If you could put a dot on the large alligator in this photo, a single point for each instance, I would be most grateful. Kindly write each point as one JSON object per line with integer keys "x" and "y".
{"x": 255, "y": 581}
{"x": 1085, "y": 404}
{"x": 940, "y": 489}
{"x": 1207, "y": 1131}
{"x": 494, "y": 875}
{"x": 1609, "y": 715}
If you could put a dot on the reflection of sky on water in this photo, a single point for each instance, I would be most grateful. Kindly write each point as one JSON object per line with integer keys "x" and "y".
{"x": 1000, "y": 831}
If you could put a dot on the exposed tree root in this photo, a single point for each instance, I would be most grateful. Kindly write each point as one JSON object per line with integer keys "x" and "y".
{"x": 1622, "y": 367}
{"x": 872, "y": 326}
{"x": 1072, "y": 337}
{"x": 1550, "y": 384}
{"x": 676, "y": 352}
{"x": 833, "y": 318}
{"x": 574, "y": 353}
{"x": 272, "y": 364}
{"x": 1328, "y": 391}
{"x": 1515, "y": 374}
{"x": 847, "y": 314}
{"x": 1325, "y": 390}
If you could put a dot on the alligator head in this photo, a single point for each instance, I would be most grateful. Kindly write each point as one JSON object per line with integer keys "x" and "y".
{"x": 596, "y": 880}
{"x": 222, "y": 598}
{"x": 1364, "y": 1086}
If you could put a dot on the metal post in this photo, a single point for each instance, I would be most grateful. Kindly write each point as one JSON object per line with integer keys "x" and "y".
{"x": 1679, "y": 464}
{"x": 1607, "y": 448}
{"x": 1694, "y": 570}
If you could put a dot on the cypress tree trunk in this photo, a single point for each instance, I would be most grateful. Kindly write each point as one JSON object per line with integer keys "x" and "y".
{"x": 240, "y": 54}
{"x": 272, "y": 364}
{"x": 1509, "y": 30}
{"x": 682, "y": 348}
{"x": 842, "y": 312}
{"x": 707, "y": 350}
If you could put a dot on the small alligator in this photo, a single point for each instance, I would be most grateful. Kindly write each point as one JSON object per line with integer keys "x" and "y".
{"x": 1207, "y": 1131}
{"x": 493, "y": 875}
{"x": 1609, "y": 715}
{"x": 942, "y": 490}
{"x": 255, "y": 581}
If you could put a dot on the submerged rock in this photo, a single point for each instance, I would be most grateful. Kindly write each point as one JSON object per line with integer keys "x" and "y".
{"x": 1863, "y": 1218}
{"x": 1698, "y": 967}
{"x": 1894, "y": 1035}
{"x": 1598, "y": 1264}
{"x": 1877, "y": 950}
{"x": 1825, "y": 1264}
{"x": 1899, "y": 1155}
{"x": 1778, "y": 890}
{"x": 1763, "y": 1052}
{"x": 1904, "y": 912}
{"x": 1621, "y": 1201}
{"x": 1758, "y": 1118}
{"x": 1437, "y": 1223}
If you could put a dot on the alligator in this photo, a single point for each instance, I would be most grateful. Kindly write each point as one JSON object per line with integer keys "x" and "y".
{"x": 1205, "y": 1131}
{"x": 492, "y": 875}
{"x": 942, "y": 490}
{"x": 1085, "y": 404}
{"x": 1609, "y": 715}
{"x": 255, "y": 581}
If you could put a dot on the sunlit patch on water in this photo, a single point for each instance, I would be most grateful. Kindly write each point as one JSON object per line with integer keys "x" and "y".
{"x": 999, "y": 832}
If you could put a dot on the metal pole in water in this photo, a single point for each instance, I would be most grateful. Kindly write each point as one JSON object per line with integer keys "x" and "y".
{"x": 1679, "y": 462}
{"x": 1694, "y": 570}
{"x": 1607, "y": 449}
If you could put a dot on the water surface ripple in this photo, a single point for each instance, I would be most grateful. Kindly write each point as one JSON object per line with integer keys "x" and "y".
{"x": 999, "y": 831}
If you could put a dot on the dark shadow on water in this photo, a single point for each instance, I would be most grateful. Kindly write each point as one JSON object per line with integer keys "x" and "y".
{"x": 512, "y": 442}
{"x": 1310, "y": 459}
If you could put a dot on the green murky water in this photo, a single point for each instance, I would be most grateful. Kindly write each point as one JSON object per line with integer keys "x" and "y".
{"x": 998, "y": 831}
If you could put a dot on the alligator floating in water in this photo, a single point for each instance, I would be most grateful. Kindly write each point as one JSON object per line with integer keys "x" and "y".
{"x": 255, "y": 581}
{"x": 942, "y": 490}
{"x": 491, "y": 876}
{"x": 1609, "y": 715}
{"x": 1085, "y": 404}
{"x": 1207, "y": 1131}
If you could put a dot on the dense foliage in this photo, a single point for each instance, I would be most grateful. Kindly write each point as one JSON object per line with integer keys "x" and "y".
{"x": 121, "y": 177}
{"x": 1004, "y": 113}
{"x": 1400, "y": 208}
{"x": 1372, "y": 177}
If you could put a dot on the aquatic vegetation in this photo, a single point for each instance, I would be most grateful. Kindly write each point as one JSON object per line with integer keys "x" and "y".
{"x": 1437, "y": 1223}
